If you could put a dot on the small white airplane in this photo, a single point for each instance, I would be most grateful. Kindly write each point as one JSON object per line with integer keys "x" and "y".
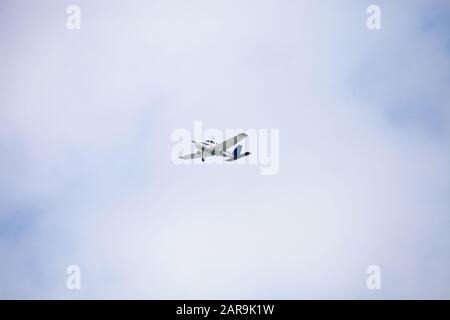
{"x": 210, "y": 148}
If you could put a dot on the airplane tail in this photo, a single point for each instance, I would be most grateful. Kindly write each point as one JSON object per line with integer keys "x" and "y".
{"x": 237, "y": 154}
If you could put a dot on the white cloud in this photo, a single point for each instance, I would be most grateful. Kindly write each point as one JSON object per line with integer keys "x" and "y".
{"x": 87, "y": 126}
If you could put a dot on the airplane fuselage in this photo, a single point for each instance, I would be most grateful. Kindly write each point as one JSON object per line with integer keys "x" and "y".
{"x": 207, "y": 149}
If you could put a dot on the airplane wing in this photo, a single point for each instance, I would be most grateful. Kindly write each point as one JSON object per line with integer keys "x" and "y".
{"x": 228, "y": 143}
{"x": 192, "y": 156}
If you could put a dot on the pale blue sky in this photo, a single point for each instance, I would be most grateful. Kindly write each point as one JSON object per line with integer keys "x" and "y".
{"x": 86, "y": 178}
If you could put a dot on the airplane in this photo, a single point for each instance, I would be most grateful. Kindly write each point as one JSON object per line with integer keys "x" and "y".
{"x": 210, "y": 148}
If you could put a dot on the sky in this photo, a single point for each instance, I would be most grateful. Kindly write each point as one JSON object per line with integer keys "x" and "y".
{"x": 86, "y": 176}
